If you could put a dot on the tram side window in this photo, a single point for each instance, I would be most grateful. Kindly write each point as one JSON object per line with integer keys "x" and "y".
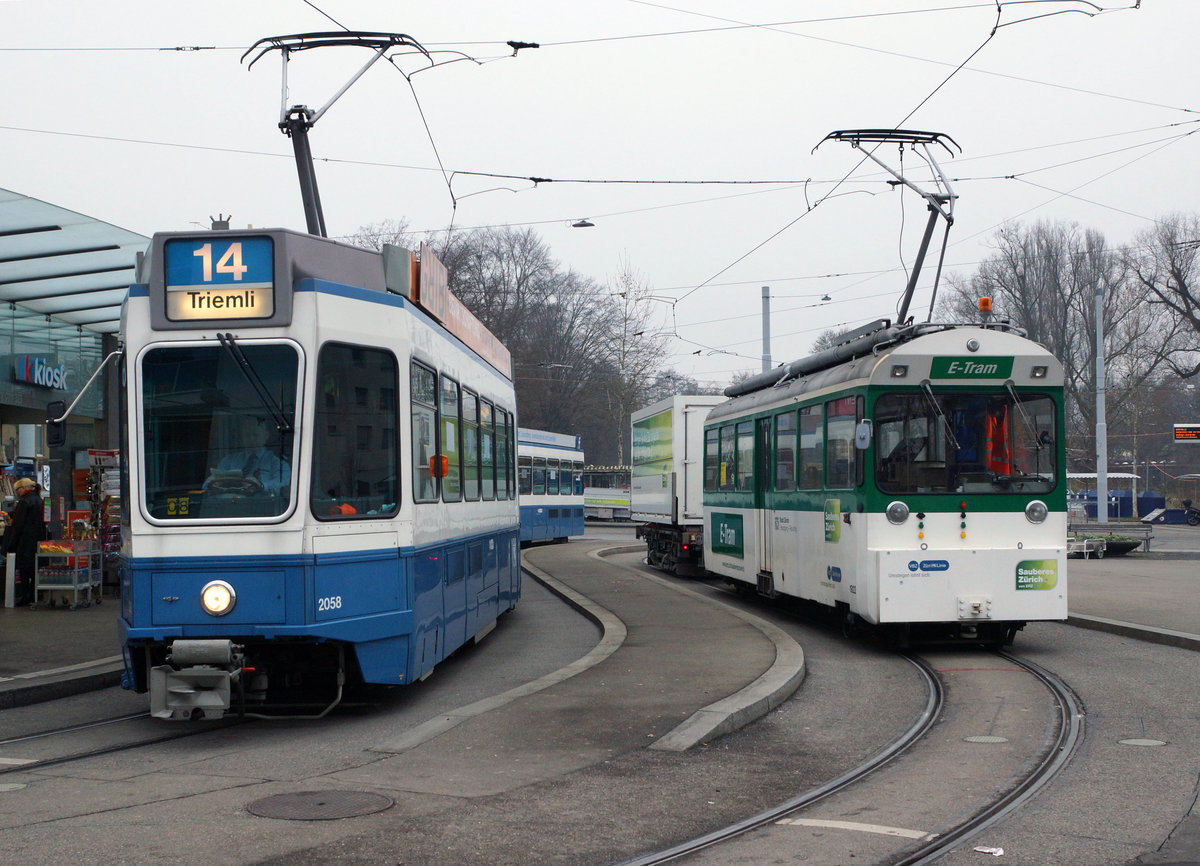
{"x": 712, "y": 458}
{"x": 539, "y": 476}
{"x": 423, "y": 390}
{"x": 577, "y": 477}
{"x": 728, "y": 458}
{"x": 510, "y": 449}
{"x": 552, "y": 475}
{"x": 450, "y": 430}
{"x": 356, "y": 468}
{"x": 470, "y": 437}
{"x": 840, "y": 419}
{"x": 811, "y": 449}
{"x": 524, "y": 476}
{"x": 504, "y": 465}
{"x": 785, "y": 451}
{"x": 487, "y": 454}
{"x": 745, "y": 455}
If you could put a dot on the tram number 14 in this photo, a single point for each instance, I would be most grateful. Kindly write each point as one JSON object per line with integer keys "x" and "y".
{"x": 329, "y": 602}
{"x": 230, "y": 263}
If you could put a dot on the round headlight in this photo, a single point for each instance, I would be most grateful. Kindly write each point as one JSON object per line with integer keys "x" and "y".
{"x": 217, "y": 598}
{"x": 1036, "y": 511}
{"x": 897, "y": 512}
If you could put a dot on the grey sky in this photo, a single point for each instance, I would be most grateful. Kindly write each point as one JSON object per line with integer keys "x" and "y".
{"x": 1066, "y": 117}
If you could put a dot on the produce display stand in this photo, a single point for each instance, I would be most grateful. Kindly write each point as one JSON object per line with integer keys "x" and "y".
{"x": 66, "y": 565}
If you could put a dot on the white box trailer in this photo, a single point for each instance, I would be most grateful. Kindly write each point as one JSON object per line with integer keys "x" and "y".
{"x": 666, "y": 491}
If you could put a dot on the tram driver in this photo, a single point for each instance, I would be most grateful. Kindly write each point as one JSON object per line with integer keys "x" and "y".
{"x": 256, "y": 468}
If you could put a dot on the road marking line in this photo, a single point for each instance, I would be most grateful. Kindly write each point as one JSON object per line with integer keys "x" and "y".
{"x": 861, "y": 828}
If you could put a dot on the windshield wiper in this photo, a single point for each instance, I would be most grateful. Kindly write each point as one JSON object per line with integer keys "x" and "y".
{"x": 1029, "y": 425}
{"x": 239, "y": 357}
{"x": 937, "y": 408}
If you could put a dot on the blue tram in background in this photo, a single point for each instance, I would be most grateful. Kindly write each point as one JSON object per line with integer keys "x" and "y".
{"x": 550, "y": 485}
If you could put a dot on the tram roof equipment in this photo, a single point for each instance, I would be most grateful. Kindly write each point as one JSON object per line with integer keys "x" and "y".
{"x": 869, "y": 338}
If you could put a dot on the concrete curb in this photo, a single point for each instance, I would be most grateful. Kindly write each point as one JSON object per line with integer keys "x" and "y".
{"x": 613, "y": 635}
{"x": 1147, "y": 633}
{"x": 739, "y": 709}
{"x": 25, "y": 689}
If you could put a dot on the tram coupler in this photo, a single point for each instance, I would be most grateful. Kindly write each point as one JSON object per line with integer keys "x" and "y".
{"x": 195, "y": 683}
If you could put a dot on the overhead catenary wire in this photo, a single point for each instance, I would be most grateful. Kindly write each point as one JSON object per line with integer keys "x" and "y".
{"x": 975, "y": 5}
{"x": 848, "y": 174}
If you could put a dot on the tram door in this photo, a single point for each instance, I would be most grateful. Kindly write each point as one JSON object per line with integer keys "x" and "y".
{"x": 764, "y": 503}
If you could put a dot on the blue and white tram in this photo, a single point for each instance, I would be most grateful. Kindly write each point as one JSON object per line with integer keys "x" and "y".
{"x": 912, "y": 478}
{"x": 549, "y": 485}
{"x": 319, "y": 468}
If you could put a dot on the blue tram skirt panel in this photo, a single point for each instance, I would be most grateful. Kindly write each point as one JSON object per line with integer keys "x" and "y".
{"x": 399, "y": 612}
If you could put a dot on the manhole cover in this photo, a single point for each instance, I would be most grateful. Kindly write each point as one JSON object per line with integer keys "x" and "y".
{"x": 319, "y": 805}
{"x": 985, "y": 739}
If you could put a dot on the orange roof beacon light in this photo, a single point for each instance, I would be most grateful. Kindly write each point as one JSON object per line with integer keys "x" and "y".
{"x": 439, "y": 466}
{"x": 985, "y": 305}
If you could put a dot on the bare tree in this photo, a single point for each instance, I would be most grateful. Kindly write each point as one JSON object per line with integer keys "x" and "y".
{"x": 584, "y": 355}
{"x": 390, "y": 231}
{"x": 827, "y": 339}
{"x": 634, "y": 352}
{"x": 1166, "y": 264}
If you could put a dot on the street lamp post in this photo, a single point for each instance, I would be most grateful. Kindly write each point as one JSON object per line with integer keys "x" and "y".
{"x": 1101, "y": 426}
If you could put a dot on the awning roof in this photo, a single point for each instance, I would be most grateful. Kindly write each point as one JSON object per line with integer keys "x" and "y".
{"x": 61, "y": 271}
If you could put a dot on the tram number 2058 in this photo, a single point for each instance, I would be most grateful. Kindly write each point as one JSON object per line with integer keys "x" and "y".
{"x": 329, "y": 602}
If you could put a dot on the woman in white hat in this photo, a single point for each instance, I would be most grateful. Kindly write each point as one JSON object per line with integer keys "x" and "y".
{"x": 28, "y": 528}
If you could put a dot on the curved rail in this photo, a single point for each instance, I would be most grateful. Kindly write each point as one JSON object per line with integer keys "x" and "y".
{"x": 1069, "y": 725}
{"x": 924, "y": 721}
{"x": 1070, "y": 715}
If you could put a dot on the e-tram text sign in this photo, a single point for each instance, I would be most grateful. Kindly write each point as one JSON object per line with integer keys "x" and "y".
{"x": 219, "y": 278}
{"x": 970, "y": 368}
{"x": 1187, "y": 432}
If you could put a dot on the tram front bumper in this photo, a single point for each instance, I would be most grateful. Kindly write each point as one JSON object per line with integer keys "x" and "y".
{"x": 972, "y": 585}
{"x": 196, "y": 683}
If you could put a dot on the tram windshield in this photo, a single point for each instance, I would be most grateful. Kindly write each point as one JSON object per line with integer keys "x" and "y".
{"x": 211, "y": 442}
{"x": 931, "y": 442}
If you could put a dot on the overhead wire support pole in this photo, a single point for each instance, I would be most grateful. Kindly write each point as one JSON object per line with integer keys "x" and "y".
{"x": 295, "y": 122}
{"x": 296, "y": 125}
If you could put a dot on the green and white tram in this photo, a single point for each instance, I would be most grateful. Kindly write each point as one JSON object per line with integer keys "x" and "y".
{"x": 912, "y": 478}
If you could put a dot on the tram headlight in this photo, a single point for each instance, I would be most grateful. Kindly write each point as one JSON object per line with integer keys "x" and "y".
{"x": 897, "y": 512}
{"x": 1036, "y": 511}
{"x": 217, "y": 598}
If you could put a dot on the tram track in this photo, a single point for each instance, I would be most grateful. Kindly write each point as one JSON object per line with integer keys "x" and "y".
{"x": 60, "y": 741}
{"x": 1069, "y": 719}
{"x": 1068, "y": 716}
{"x": 926, "y": 719}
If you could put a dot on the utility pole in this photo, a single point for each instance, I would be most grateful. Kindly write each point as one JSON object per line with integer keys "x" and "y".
{"x": 1101, "y": 426}
{"x": 766, "y": 328}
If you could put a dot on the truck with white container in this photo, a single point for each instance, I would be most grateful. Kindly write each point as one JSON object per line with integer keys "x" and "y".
{"x": 667, "y": 480}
